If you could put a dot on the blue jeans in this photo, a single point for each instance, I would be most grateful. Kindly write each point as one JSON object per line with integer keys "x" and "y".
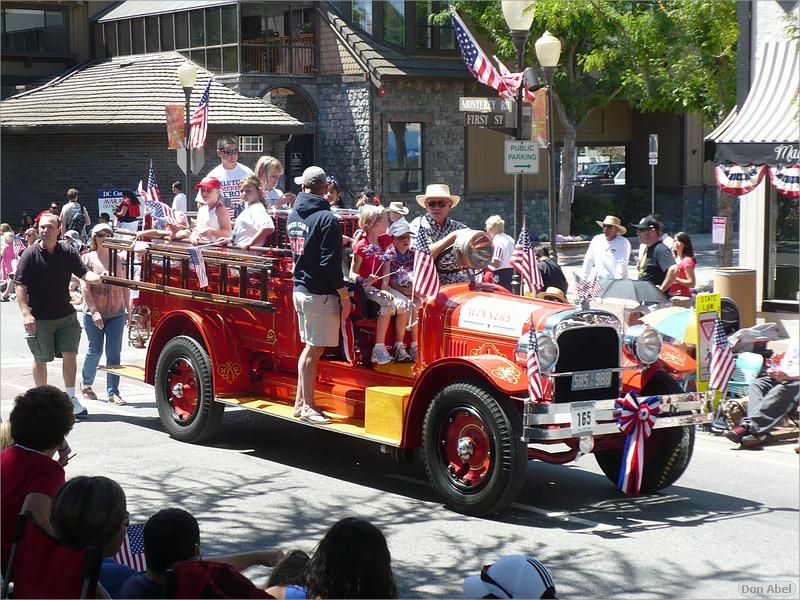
{"x": 112, "y": 335}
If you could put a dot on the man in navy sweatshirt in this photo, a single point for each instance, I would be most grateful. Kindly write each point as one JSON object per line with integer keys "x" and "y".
{"x": 316, "y": 239}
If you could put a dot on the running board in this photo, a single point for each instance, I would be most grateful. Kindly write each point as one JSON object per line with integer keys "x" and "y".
{"x": 128, "y": 371}
{"x": 339, "y": 423}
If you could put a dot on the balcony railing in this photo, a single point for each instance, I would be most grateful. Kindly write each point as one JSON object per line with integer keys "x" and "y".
{"x": 287, "y": 55}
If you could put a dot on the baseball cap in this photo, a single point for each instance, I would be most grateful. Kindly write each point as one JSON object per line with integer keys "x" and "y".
{"x": 209, "y": 183}
{"x": 101, "y": 227}
{"x": 399, "y": 227}
{"x": 516, "y": 576}
{"x": 311, "y": 176}
{"x": 646, "y": 223}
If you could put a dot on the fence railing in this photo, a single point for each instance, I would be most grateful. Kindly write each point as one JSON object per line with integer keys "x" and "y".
{"x": 288, "y": 55}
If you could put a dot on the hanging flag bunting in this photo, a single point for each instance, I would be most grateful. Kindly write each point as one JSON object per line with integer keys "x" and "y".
{"x": 786, "y": 179}
{"x": 636, "y": 420}
{"x": 739, "y": 179}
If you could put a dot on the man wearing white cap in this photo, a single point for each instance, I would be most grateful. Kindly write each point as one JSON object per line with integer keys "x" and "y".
{"x": 608, "y": 253}
{"x": 516, "y": 576}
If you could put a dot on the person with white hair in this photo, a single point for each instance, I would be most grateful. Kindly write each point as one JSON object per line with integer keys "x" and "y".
{"x": 503, "y": 244}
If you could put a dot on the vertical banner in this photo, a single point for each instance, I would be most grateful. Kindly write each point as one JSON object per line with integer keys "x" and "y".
{"x": 176, "y": 126}
{"x": 539, "y": 118}
{"x": 718, "y": 230}
{"x": 707, "y": 308}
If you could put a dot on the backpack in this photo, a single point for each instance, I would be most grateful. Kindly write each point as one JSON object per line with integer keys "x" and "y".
{"x": 76, "y": 220}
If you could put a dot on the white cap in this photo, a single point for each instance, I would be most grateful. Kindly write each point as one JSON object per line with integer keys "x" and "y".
{"x": 516, "y": 576}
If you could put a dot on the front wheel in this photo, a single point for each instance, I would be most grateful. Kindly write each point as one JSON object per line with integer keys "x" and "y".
{"x": 667, "y": 451}
{"x": 473, "y": 453}
{"x": 185, "y": 392}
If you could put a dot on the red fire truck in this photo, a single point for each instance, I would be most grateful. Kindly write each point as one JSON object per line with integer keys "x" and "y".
{"x": 464, "y": 406}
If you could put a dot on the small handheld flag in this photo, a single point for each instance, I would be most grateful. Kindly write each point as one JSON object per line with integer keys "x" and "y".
{"x": 426, "y": 279}
{"x": 131, "y": 553}
{"x": 196, "y": 257}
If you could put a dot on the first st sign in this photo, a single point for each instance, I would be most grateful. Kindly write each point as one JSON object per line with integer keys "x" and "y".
{"x": 521, "y": 157}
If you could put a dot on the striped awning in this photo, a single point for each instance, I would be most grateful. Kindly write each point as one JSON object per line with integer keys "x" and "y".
{"x": 767, "y": 128}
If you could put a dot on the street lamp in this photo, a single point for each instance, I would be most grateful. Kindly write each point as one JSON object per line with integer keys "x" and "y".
{"x": 187, "y": 75}
{"x": 519, "y": 22}
{"x": 548, "y": 49}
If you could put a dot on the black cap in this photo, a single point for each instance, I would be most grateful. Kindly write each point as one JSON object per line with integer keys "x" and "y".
{"x": 647, "y": 223}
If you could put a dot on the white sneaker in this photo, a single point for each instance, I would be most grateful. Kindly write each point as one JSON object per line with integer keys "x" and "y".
{"x": 381, "y": 355}
{"x": 78, "y": 409}
{"x": 413, "y": 352}
{"x": 400, "y": 354}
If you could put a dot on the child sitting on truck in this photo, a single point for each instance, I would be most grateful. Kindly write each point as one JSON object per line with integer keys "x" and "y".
{"x": 401, "y": 278}
{"x": 370, "y": 270}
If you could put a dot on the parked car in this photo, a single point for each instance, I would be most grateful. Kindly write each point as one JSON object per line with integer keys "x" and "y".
{"x": 600, "y": 174}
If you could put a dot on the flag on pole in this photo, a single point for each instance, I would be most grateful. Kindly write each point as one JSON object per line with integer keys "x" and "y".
{"x": 141, "y": 191}
{"x": 161, "y": 213}
{"x": 477, "y": 62}
{"x": 199, "y": 121}
{"x": 587, "y": 289}
{"x": 513, "y": 81}
{"x": 722, "y": 362}
{"x": 426, "y": 279}
{"x": 524, "y": 260}
{"x": 153, "y": 192}
{"x": 535, "y": 387}
{"x": 131, "y": 553}
{"x": 19, "y": 245}
{"x": 196, "y": 257}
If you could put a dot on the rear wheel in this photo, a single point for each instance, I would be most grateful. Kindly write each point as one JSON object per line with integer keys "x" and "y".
{"x": 472, "y": 448}
{"x": 185, "y": 392}
{"x": 667, "y": 452}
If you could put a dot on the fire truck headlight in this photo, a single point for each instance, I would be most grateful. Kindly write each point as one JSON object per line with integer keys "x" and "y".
{"x": 642, "y": 342}
{"x": 548, "y": 351}
{"x": 473, "y": 249}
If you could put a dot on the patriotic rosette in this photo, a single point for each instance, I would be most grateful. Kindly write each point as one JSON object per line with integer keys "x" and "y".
{"x": 739, "y": 179}
{"x": 786, "y": 179}
{"x": 636, "y": 420}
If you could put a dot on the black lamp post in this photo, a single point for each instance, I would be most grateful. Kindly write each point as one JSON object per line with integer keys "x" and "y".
{"x": 519, "y": 22}
{"x": 187, "y": 75}
{"x": 548, "y": 50}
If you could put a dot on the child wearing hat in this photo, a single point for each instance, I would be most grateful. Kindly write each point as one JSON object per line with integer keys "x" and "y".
{"x": 401, "y": 280}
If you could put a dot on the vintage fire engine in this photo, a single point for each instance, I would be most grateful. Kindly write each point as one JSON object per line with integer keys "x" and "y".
{"x": 464, "y": 405}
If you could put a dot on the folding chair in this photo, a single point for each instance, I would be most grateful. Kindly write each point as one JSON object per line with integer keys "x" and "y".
{"x": 748, "y": 366}
{"x": 209, "y": 579}
{"x": 40, "y": 566}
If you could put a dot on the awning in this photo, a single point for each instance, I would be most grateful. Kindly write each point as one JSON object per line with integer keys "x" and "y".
{"x": 767, "y": 128}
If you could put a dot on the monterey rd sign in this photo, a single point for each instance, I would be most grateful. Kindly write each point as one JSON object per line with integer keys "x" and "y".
{"x": 521, "y": 157}
{"x": 484, "y": 105}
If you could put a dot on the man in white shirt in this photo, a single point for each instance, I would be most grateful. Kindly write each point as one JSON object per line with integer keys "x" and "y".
{"x": 230, "y": 173}
{"x": 179, "y": 201}
{"x": 503, "y": 245}
{"x": 608, "y": 253}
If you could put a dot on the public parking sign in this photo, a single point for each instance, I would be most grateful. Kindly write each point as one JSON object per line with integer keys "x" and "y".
{"x": 521, "y": 157}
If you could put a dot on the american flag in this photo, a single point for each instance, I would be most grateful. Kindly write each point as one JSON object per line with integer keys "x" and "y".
{"x": 196, "y": 256}
{"x": 587, "y": 289}
{"x": 513, "y": 81}
{"x": 535, "y": 387}
{"x": 199, "y": 121}
{"x": 524, "y": 260}
{"x": 426, "y": 279}
{"x": 19, "y": 245}
{"x": 131, "y": 553}
{"x": 477, "y": 62}
{"x": 722, "y": 362}
{"x": 153, "y": 192}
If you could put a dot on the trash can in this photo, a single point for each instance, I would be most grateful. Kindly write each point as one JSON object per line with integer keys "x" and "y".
{"x": 740, "y": 286}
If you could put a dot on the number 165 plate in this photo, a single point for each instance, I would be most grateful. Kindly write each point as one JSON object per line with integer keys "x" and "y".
{"x": 582, "y": 416}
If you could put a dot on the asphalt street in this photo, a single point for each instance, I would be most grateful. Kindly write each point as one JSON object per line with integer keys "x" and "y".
{"x": 726, "y": 529}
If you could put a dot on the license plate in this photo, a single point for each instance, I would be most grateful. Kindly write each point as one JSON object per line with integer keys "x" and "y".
{"x": 582, "y": 416}
{"x": 590, "y": 380}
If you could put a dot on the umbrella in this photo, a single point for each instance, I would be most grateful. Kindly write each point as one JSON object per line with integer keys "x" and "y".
{"x": 632, "y": 289}
{"x": 677, "y": 322}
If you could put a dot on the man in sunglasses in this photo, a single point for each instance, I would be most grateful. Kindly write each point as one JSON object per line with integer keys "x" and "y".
{"x": 230, "y": 172}
{"x": 608, "y": 253}
{"x": 441, "y": 230}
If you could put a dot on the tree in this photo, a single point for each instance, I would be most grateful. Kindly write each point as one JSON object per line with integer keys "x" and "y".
{"x": 670, "y": 55}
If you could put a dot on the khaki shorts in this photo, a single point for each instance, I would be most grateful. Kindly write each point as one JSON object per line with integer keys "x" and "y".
{"x": 317, "y": 318}
{"x": 54, "y": 337}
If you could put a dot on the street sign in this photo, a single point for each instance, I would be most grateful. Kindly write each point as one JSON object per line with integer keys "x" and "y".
{"x": 707, "y": 307}
{"x": 484, "y": 105}
{"x": 198, "y": 157}
{"x": 486, "y": 119}
{"x": 521, "y": 157}
{"x": 718, "y": 230}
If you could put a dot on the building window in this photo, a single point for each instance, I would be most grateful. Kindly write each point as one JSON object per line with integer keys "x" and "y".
{"x": 251, "y": 143}
{"x": 167, "y": 33}
{"x": 362, "y": 14}
{"x": 151, "y": 33}
{"x": 213, "y": 32}
{"x": 34, "y": 30}
{"x": 197, "y": 33}
{"x": 405, "y": 157}
{"x": 181, "y": 30}
{"x": 137, "y": 35}
{"x": 394, "y": 22}
{"x": 432, "y": 37}
{"x": 124, "y": 37}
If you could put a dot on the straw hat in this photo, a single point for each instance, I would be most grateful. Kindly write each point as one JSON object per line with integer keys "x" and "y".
{"x": 397, "y": 207}
{"x": 437, "y": 190}
{"x": 553, "y": 294}
{"x": 611, "y": 220}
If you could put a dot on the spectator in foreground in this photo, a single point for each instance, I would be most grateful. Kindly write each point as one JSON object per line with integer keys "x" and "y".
{"x": 289, "y": 578}
{"x": 29, "y": 477}
{"x": 352, "y": 561}
{"x": 516, "y": 576}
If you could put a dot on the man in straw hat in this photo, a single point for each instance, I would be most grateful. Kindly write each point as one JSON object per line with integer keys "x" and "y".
{"x": 397, "y": 217}
{"x": 608, "y": 253}
{"x": 441, "y": 231}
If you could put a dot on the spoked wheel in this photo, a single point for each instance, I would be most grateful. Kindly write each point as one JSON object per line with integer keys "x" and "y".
{"x": 472, "y": 448}
{"x": 184, "y": 391}
{"x": 666, "y": 453}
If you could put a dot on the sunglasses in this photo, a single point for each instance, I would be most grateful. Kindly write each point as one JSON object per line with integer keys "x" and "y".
{"x": 439, "y": 203}
{"x": 608, "y": 227}
{"x": 103, "y": 235}
{"x": 229, "y": 152}
{"x": 485, "y": 577}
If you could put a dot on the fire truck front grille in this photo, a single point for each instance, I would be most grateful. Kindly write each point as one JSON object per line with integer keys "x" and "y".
{"x": 587, "y": 349}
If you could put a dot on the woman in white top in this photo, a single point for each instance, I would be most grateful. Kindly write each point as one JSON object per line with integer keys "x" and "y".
{"x": 253, "y": 225}
{"x": 503, "y": 245}
{"x": 268, "y": 170}
{"x": 213, "y": 218}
